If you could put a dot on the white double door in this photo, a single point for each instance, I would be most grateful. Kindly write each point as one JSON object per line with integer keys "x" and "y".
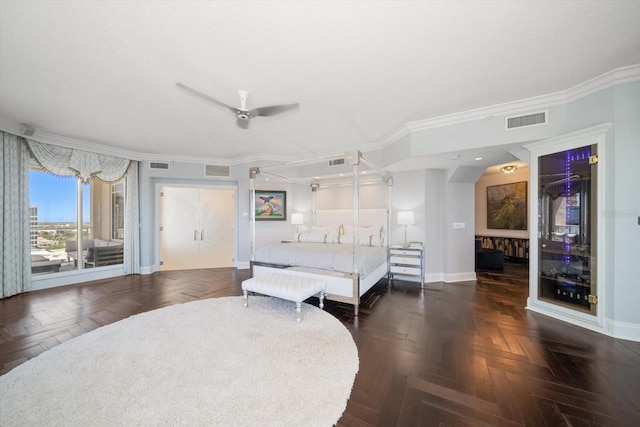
{"x": 197, "y": 228}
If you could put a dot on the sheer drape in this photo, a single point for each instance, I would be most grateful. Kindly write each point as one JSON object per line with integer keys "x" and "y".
{"x": 132, "y": 222}
{"x": 83, "y": 164}
{"x": 14, "y": 207}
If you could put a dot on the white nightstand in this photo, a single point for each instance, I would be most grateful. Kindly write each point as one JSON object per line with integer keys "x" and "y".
{"x": 407, "y": 263}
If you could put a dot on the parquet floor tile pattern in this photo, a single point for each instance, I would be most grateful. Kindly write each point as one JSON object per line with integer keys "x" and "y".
{"x": 450, "y": 354}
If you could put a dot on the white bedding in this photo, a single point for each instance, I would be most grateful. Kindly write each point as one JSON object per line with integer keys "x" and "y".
{"x": 325, "y": 256}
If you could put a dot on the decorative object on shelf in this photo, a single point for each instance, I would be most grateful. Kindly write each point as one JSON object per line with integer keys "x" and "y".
{"x": 405, "y": 218}
{"x": 270, "y": 205}
{"x": 507, "y": 206}
{"x": 509, "y": 169}
{"x": 297, "y": 219}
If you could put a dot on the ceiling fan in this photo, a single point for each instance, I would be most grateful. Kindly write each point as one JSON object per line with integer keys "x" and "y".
{"x": 242, "y": 114}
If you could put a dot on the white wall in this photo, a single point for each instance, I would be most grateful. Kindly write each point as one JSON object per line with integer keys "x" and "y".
{"x": 434, "y": 191}
{"x": 624, "y": 214}
{"x": 408, "y": 194}
{"x": 459, "y": 245}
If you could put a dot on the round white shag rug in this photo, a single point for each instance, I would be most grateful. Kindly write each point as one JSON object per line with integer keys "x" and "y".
{"x": 209, "y": 362}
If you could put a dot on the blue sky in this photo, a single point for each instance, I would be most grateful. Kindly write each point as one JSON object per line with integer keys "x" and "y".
{"x": 55, "y": 197}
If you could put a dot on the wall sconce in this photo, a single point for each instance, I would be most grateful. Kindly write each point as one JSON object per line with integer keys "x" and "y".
{"x": 405, "y": 218}
{"x": 297, "y": 219}
{"x": 509, "y": 169}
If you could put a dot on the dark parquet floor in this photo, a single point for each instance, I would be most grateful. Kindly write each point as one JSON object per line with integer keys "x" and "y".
{"x": 451, "y": 354}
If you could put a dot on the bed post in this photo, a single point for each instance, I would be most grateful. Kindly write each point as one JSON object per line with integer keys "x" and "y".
{"x": 253, "y": 172}
{"x": 355, "y": 163}
{"x": 388, "y": 239}
{"x": 314, "y": 189}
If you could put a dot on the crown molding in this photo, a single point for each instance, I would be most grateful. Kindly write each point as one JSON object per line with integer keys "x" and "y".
{"x": 13, "y": 127}
{"x": 615, "y": 77}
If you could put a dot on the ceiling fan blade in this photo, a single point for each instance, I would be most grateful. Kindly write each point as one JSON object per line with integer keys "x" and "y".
{"x": 243, "y": 123}
{"x": 205, "y": 96}
{"x": 272, "y": 110}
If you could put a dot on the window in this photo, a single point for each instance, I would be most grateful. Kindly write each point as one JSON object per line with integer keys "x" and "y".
{"x": 63, "y": 208}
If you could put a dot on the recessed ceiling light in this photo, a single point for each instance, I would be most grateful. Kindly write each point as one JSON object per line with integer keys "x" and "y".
{"x": 364, "y": 172}
{"x": 316, "y": 177}
{"x": 478, "y": 158}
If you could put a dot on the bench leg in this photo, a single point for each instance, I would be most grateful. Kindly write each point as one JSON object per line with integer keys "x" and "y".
{"x": 298, "y": 312}
{"x": 321, "y": 300}
{"x": 246, "y": 298}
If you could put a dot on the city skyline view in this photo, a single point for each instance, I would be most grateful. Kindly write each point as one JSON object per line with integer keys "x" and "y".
{"x": 55, "y": 197}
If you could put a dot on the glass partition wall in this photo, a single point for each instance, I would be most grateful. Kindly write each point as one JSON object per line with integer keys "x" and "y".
{"x": 567, "y": 228}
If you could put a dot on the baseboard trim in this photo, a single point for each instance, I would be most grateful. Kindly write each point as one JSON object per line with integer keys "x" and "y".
{"x": 623, "y": 330}
{"x": 460, "y": 277}
{"x": 243, "y": 265}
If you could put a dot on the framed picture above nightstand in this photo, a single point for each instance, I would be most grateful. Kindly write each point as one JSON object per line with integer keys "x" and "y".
{"x": 406, "y": 263}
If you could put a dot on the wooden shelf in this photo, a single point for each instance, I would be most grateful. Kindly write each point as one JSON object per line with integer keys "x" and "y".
{"x": 512, "y": 247}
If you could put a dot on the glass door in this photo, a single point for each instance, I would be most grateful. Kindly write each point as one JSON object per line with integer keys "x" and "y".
{"x": 567, "y": 228}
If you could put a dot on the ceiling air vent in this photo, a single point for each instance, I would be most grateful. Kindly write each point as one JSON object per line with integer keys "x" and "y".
{"x": 158, "y": 165}
{"x": 534, "y": 119}
{"x": 217, "y": 171}
{"x": 336, "y": 162}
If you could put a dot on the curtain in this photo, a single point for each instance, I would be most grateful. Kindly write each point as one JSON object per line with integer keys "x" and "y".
{"x": 132, "y": 222}
{"x": 14, "y": 208}
{"x": 82, "y": 164}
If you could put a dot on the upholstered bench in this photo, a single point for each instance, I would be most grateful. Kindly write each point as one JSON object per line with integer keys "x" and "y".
{"x": 291, "y": 287}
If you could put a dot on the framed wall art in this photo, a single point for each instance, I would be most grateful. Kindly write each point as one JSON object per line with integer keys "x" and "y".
{"x": 507, "y": 206}
{"x": 270, "y": 205}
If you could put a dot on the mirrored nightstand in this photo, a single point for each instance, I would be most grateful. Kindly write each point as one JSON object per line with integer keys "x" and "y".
{"x": 407, "y": 263}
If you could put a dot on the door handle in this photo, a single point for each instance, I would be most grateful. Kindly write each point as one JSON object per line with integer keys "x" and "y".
{"x": 202, "y": 235}
{"x": 195, "y": 235}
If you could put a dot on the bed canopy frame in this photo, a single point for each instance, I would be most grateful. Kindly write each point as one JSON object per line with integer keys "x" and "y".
{"x": 355, "y": 159}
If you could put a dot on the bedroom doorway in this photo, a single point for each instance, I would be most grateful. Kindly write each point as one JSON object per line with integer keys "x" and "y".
{"x": 197, "y": 228}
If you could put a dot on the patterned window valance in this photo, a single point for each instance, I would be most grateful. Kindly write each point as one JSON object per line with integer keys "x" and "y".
{"x": 83, "y": 164}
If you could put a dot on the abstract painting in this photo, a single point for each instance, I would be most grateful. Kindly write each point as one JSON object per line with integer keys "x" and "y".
{"x": 507, "y": 206}
{"x": 270, "y": 205}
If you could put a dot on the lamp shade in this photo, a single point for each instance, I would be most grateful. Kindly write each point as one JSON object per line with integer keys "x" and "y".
{"x": 297, "y": 219}
{"x": 405, "y": 218}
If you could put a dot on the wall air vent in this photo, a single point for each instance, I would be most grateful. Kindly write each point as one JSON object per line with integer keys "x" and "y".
{"x": 336, "y": 162}
{"x": 216, "y": 170}
{"x": 158, "y": 165}
{"x": 533, "y": 119}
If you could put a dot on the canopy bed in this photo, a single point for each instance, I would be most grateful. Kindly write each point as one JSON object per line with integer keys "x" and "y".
{"x": 346, "y": 248}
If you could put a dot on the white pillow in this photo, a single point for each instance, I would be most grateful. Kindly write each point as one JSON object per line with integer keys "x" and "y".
{"x": 374, "y": 235}
{"x": 331, "y": 229}
{"x": 315, "y": 237}
{"x": 363, "y": 240}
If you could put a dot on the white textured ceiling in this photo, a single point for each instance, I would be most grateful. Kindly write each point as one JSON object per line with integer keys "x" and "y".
{"x": 105, "y": 72}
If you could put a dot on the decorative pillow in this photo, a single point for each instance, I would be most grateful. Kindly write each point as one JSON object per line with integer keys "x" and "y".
{"x": 364, "y": 240}
{"x": 333, "y": 229}
{"x": 315, "y": 237}
{"x": 375, "y": 233}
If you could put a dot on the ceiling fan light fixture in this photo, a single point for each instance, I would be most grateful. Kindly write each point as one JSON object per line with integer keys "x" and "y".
{"x": 243, "y": 115}
{"x": 509, "y": 169}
